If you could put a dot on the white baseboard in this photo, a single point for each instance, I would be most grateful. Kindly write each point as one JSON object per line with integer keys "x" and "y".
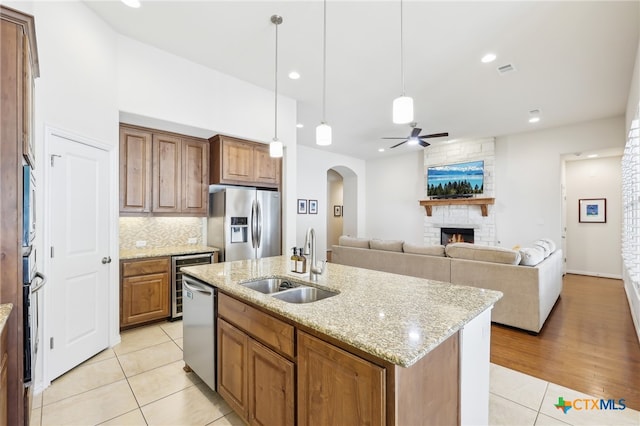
{"x": 595, "y": 274}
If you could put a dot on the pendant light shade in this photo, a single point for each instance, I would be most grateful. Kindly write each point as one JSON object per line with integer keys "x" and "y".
{"x": 323, "y": 131}
{"x": 403, "y": 110}
{"x": 275, "y": 147}
{"x": 402, "y": 106}
{"x": 323, "y": 134}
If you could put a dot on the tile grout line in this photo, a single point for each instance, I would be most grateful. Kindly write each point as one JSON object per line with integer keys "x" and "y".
{"x": 132, "y": 392}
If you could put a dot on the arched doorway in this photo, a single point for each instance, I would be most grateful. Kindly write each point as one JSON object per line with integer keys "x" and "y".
{"x": 341, "y": 205}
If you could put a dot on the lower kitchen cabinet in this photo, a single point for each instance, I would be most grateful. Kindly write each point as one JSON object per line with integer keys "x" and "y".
{"x": 144, "y": 290}
{"x": 3, "y": 378}
{"x": 254, "y": 380}
{"x": 336, "y": 387}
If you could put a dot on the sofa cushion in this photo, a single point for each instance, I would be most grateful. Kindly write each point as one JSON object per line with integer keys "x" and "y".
{"x": 531, "y": 256}
{"x": 388, "y": 245}
{"x": 483, "y": 253}
{"x": 437, "y": 250}
{"x": 348, "y": 241}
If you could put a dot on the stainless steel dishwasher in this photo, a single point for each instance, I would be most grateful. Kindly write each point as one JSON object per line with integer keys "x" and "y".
{"x": 199, "y": 328}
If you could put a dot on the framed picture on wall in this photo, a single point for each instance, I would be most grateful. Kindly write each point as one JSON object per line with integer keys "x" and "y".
{"x": 313, "y": 206}
{"x": 302, "y": 206}
{"x": 592, "y": 210}
{"x": 337, "y": 211}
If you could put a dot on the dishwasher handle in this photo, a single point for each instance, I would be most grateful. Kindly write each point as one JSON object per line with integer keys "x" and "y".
{"x": 195, "y": 286}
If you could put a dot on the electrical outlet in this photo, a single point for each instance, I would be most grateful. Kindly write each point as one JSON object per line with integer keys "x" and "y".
{"x": 141, "y": 243}
{"x": 192, "y": 241}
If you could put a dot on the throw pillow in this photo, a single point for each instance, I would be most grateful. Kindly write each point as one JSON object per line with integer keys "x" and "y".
{"x": 550, "y": 243}
{"x": 483, "y": 253}
{"x": 531, "y": 256}
{"x": 427, "y": 250}
{"x": 388, "y": 245}
{"x": 348, "y": 241}
{"x": 544, "y": 246}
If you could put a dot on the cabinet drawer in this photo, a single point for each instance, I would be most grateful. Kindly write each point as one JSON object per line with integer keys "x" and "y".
{"x": 272, "y": 332}
{"x": 143, "y": 267}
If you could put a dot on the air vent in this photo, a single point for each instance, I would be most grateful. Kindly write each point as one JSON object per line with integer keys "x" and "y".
{"x": 504, "y": 69}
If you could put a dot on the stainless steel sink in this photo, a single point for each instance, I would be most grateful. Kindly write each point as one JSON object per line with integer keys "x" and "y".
{"x": 270, "y": 285}
{"x": 304, "y": 295}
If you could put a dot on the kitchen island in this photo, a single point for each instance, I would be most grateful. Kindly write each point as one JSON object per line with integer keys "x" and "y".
{"x": 387, "y": 349}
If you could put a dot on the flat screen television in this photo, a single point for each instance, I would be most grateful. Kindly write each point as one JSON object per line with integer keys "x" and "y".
{"x": 455, "y": 180}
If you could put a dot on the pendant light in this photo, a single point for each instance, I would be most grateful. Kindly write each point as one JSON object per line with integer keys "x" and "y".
{"x": 323, "y": 131}
{"x": 275, "y": 147}
{"x": 403, "y": 105}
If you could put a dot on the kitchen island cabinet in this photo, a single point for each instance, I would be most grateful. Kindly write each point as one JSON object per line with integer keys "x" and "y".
{"x": 387, "y": 349}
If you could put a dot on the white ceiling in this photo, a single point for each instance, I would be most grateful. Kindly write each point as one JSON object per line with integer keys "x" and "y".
{"x": 574, "y": 60}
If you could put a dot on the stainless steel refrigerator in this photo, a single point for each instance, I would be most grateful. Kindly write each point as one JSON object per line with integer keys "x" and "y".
{"x": 244, "y": 223}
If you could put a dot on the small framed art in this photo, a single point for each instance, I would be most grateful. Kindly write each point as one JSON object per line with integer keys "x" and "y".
{"x": 337, "y": 211}
{"x": 313, "y": 206}
{"x": 302, "y": 206}
{"x": 592, "y": 210}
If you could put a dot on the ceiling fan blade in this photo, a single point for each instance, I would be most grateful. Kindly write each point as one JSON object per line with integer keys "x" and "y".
{"x": 398, "y": 144}
{"x": 415, "y": 132}
{"x": 423, "y": 143}
{"x": 435, "y": 135}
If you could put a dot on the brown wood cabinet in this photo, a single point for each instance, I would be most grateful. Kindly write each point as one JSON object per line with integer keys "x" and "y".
{"x": 163, "y": 173}
{"x": 257, "y": 382}
{"x": 240, "y": 162}
{"x": 135, "y": 170}
{"x": 144, "y": 290}
{"x": 336, "y": 387}
{"x": 4, "y": 371}
{"x": 18, "y": 69}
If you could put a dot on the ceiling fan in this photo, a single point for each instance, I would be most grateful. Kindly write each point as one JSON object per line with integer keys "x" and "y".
{"x": 417, "y": 138}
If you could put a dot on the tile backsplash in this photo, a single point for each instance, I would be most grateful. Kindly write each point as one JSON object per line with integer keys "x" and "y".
{"x": 161, "y": 231}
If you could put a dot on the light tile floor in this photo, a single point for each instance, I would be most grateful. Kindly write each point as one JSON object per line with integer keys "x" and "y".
{"x": 141, "y": 382}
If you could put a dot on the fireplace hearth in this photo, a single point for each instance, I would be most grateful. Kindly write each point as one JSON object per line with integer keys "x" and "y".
{"x": 456, "y": 235}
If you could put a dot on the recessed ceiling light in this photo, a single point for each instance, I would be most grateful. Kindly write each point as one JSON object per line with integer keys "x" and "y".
{"x": 489, "y": 57}
{"x": 534, "y": 119}
{"x": 592, "y": 155}
{"x": 534, "y": 116}
{"x": 299, "y": 125}
{"x": 294, "y": 75}
{"x": 132, "y": 3}
{"x": 380, "y": 149}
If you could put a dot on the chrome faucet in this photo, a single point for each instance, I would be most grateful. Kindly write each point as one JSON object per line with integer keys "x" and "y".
{"x": 310, "y": 249}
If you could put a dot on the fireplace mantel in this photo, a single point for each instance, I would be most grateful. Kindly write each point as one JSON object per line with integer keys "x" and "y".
{"x": 482, "y": 202}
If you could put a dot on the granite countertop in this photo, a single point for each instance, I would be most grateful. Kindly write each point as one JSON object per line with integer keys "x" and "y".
{"x": 5, "y": 311}
{"x": 142, "y": 252}
{"x": 393, "y": 317}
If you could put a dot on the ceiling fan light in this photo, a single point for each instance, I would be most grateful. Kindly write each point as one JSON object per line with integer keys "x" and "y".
{"x": 403, "y": 110}
{"x": 275, "y": 149}
{"x": 323, "y": 134}
{"x": 412, "y": 141}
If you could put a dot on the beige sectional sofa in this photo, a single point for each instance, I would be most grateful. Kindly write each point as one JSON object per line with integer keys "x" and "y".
{"x": 530, "y": 292}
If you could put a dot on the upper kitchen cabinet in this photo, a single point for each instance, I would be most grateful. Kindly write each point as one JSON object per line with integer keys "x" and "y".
{"x": 163, "y": 173}
{"x": 239, "y": 162}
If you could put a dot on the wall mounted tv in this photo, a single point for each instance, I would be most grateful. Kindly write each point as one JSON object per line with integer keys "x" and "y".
{"x": 455, "y": 180}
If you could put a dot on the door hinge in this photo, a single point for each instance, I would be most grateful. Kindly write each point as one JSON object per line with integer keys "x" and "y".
{"x": 53, "y": 156}
{"x": 51, "y": 343}
{"x": 51, "y": 254}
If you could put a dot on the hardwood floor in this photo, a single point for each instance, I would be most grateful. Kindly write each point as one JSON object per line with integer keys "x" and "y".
{"x": 588, "y": 343}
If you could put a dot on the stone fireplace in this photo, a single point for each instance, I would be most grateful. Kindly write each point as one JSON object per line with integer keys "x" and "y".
{"x": 456, "y": 235}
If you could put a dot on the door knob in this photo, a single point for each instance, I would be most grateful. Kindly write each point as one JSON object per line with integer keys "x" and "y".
{"x": 106, "y": 260}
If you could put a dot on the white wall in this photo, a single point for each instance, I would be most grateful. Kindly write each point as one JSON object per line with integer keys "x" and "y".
{"x": 394, "y": 186}
{"x": 634, "y": 91}
{"x": 312, "y": 185}
{"x": 528, "y": 177}
{"x": 335, "y": 197}
{"x": 157, "y": 84}
{"x": 594, "y": 248}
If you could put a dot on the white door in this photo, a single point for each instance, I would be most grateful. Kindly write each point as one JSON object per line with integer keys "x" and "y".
{"x": 78, "y": 313}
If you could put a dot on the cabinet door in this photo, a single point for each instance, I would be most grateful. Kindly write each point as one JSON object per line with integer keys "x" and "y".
{"x": 232, "y": 367}
{"x": 135, "y": 170}
{"x": 237, "y": 161}
{"x": 336, "y": 387}
{"x": 195, "y": 177}
{"x": 271, "y": 387}
{"x": 144, "y": 298}
{"x": 267, "y": 169}
{"x": 167, "y": 175}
